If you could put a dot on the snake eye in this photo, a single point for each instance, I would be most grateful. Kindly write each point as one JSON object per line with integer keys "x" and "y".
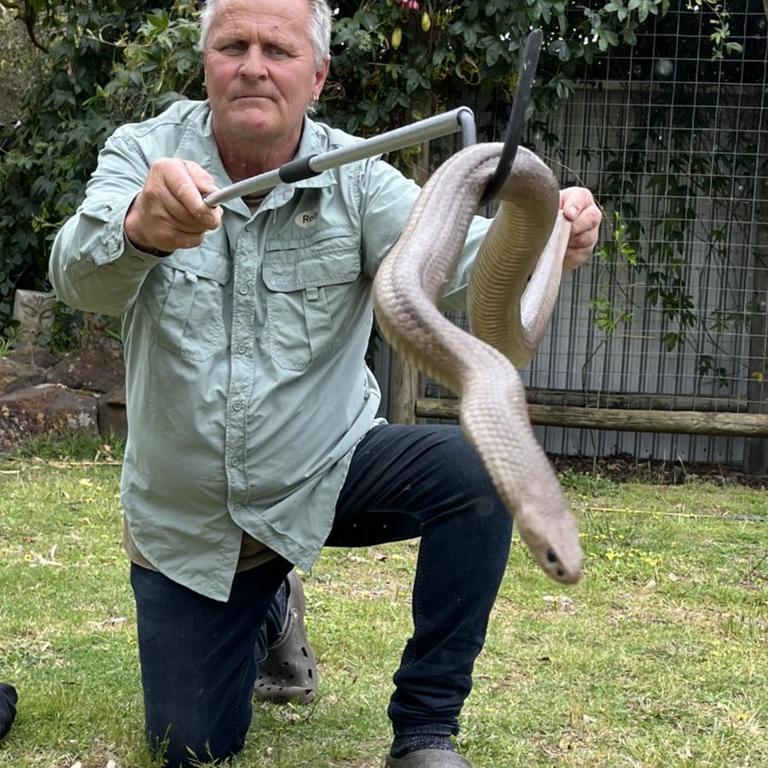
{"x": 551, "y": 556}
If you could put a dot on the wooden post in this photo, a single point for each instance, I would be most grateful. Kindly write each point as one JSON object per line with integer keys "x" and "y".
{"x": 403, "y": 391}
{"x": 404, "y": 378}
{"x": 756, "y": 449}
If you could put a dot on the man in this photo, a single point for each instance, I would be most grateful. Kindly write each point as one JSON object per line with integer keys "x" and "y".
{"x": 253, "y": 438}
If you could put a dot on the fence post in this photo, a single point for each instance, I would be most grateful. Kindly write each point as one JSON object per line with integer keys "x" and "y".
{"x": 402, "y": 391}
{"x": 403, "y": 377}
{"x": 756, "y": 449}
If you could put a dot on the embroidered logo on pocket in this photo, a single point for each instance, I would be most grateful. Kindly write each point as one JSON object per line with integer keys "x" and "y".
{"x": 306, "y": 219}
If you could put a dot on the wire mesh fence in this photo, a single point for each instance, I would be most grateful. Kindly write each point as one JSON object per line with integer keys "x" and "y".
{"x": 671, "y": 313}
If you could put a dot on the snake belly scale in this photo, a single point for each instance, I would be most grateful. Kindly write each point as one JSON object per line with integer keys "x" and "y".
{"x": 512, "y": 290}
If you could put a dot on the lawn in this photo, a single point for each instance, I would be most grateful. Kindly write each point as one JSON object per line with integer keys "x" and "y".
{"x": 657, "y": 658}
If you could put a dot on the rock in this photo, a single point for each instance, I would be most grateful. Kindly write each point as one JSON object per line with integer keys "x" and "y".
{"x": 30, "y": 354}
{"x": 17, "y": 375}
{"x": 45, "y": 409}
{"x": 98, "y": 367}
{"x": 112, "y": 417}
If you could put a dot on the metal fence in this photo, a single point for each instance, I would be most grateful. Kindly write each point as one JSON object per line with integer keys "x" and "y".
{"x": 671, "y": 313}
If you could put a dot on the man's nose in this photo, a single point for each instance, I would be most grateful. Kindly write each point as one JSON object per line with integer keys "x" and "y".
{"x": 254, "y": 63}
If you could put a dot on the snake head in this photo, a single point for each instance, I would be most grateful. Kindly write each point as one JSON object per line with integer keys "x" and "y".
{"x": 566, "y": 571}
{"x": 547, "y": 527}
{"x": 555, "y": 545}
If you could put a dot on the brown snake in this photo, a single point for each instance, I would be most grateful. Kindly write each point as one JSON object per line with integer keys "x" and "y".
{"x": 507, "y": 320}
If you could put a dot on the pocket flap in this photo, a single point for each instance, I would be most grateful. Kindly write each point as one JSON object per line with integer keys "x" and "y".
{"x": 285, "y": 271}
{"x": 210, "y": 260}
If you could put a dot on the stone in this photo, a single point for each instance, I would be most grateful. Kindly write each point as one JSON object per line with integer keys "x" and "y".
{"x": 44, "y": 409}
{"x": 31, "y": 354}
{"x": 112, "y": 415}
{"x": 98, "y": 367}
{"x": 17, "y": 375}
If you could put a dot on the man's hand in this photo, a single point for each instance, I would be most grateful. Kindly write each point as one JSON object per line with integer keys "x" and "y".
{"x": 169, "y": 212}
{"x": 580, "y": 209}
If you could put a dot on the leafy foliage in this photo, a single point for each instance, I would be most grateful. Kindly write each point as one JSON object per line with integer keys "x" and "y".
{"x": 654, "y": 182}
{"x": 48, "y": 156}
{"x": 394, "y": 61}
{"x": 18, "y": 66}
{"x": 109, "y": 62}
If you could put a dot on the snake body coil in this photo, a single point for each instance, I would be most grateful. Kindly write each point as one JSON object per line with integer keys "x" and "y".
{"x": 507, "y": 321}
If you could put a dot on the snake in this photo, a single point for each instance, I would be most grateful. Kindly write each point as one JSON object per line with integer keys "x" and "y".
{"x": 512, "y": 290}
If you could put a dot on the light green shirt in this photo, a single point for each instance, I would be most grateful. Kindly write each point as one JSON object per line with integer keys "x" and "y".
{"x": 246, "y": 385}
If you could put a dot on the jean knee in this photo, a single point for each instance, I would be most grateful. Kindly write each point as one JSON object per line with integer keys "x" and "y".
{"x": 464, "y": 466}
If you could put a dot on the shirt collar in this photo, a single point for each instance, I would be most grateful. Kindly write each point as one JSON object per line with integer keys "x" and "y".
{"x": 312, "y": 143}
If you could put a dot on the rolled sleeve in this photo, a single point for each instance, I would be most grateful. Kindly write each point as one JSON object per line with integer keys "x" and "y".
{"x": 93, "y": 267}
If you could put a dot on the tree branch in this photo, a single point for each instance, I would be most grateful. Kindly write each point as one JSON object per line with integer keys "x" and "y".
{"x": 26, "y": 14}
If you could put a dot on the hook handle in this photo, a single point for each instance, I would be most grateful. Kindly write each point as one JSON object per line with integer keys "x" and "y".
{"x": 517, "y": 116}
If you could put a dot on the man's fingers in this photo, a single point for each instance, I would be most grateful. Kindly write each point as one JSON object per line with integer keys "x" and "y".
{"x": 580, "y": 209}
{"x": 582, "y": 236}
{"x": 187, "y": 183}
{"x": 169, "y": 212}
{"x": 166, "y": 212}
{"x": 173, "y": 187}
{"x": 575, "y": 257}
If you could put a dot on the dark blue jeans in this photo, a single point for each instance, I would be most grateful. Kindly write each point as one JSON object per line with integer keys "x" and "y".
{"x": 199, "y": 657}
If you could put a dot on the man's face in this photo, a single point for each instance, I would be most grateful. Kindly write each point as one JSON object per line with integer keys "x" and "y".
{"x": 260, "y": 70}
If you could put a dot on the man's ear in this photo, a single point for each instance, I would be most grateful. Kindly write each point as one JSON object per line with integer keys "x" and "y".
{"x": 322, "y": 73}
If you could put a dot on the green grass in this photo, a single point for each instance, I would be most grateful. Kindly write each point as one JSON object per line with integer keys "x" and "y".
{"x": 657, "y": 658}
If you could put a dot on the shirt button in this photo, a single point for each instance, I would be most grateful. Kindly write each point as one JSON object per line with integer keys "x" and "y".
{"x": 237, "y": 406}
{"x": 234, "y": 461}
{"x": 245, "y": 290}
{"x": 241, "y": 349}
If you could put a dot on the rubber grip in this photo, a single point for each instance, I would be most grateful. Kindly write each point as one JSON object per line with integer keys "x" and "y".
{"x": 297, "y": 170}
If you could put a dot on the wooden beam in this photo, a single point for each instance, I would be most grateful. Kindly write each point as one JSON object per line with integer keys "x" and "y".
{"x": 403, "y": 389}
{"x": 684, "y": 422}
{"x": 640, "y": 401}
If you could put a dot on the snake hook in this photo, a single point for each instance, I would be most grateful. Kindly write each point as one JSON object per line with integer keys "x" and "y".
{"x": 517, "y": 116}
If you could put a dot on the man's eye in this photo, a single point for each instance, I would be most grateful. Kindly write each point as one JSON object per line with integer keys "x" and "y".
{"x": 232, "y": 48}
{"x": 276, "y": 51}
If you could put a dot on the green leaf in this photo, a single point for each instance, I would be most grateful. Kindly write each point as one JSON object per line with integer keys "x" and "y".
{"x": 671, "y": 340}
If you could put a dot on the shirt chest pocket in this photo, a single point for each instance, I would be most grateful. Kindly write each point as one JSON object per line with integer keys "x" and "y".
{"x": 190, "y": 296}
{"x": 313, "y": 295}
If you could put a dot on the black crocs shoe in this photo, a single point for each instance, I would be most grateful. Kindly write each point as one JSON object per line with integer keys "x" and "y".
{"x": 289, "y": 673}
{"x": 8, "y": 699}
{"x": 428, "y": 758}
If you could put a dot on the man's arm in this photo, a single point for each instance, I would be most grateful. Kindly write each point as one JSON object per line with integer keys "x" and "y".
{"x": 132, "y": 214}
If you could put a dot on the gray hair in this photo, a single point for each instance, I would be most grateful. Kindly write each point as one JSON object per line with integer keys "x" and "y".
{"x": 319, "y": 27}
